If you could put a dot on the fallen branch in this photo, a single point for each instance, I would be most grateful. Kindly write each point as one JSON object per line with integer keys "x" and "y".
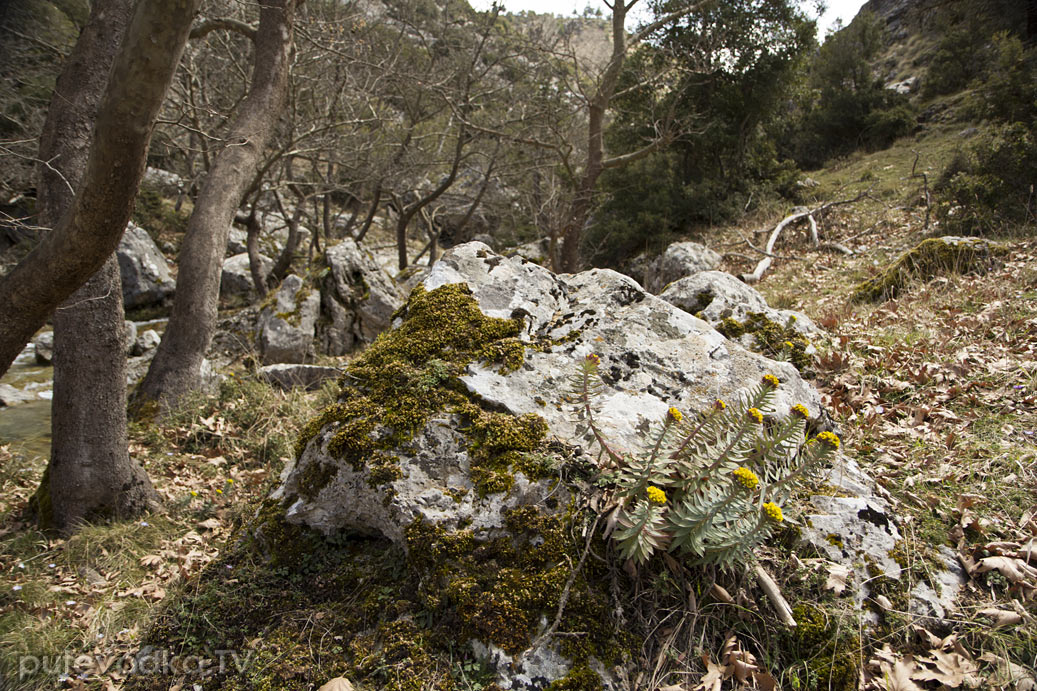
{"x": 797, "y": 215}
{"x": 778, "y": 601}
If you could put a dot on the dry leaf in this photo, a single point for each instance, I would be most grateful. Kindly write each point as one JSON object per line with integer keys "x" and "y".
{"x": 713, "y": 678}
{"x": 837, "y": 575}
{"x": 1002, "y": 617}
{"x": 337, "y": 684}
{"x": 1014, "y": 570}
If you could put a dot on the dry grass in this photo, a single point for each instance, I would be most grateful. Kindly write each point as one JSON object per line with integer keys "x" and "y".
{"x": 73, "y": 606}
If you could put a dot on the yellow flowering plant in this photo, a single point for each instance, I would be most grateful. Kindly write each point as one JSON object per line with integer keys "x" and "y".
{"x": 709, "y": 485}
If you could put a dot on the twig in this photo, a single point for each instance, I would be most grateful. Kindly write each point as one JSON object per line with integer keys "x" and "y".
{"x": 925, "y": 188}
{"x": 564, "y": 599}
{"x": 778, "y": 601}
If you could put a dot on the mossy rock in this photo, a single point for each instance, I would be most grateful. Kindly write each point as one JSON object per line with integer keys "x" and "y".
{"x": 927, "y": 260}
{"x": 769, "y": 338}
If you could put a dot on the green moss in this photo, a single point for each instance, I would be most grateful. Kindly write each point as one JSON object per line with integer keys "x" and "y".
{"x": 829, "y": 652}
{"x": 500, "y": 443}
{"x": 770, "y": 338}
{"x": 834, "y": 540}
{"x": 500, "y": 590}
{"x": 40, "y": 506}
{"x": 927, "y": 259}
{"x": 579, "y": 678}
{"x": 411, "y": 373}
{"x": 282, "y": 542}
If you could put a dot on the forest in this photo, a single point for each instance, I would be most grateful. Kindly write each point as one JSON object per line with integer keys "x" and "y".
{"x": 397, "y": 344}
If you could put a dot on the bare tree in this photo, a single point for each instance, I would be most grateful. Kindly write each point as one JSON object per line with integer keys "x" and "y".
{"x": 598, "y": 98}
{"x": 89, "y": 233}
{"x": 177, "y": 367}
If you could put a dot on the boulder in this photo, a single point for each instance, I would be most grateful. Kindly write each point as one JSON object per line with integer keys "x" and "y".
{"x": 357, "y": 299}
{"x": 308, "y": 377}
{"x": 164, "y": 182}
{"x": 43, "y": 348}
{"x": 285, "y": 328}
{"x": 739, "y": 312}
{"x": 237, "y": 241}
{"x": 145, "y": 273}
{"x": 147, "y": 341}
{"x": 537, "y": 251}
{"x": 449, "y": 428}
{"x": 929, "y": 258}
{"x": 236, "y": 278}
{"x": 679, "y": 260}
{"x": 855, "y": 526}
{"x": 131, "y": 335}
{"x": 11, "y": 396}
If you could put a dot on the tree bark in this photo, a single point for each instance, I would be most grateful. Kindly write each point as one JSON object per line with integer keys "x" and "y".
{"x": 177, "y": 367}
{"x": 90, "y": 473}
{"x": 88, "y": 234}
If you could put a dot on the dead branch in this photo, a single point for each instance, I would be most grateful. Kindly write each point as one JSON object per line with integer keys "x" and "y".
{"x": 778, "y": 601}
{"x": 925, "y": 189}
{"x": 797, "y": 215}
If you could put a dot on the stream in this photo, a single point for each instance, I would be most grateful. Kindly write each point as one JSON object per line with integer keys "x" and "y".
{"x": 26, "y": 426}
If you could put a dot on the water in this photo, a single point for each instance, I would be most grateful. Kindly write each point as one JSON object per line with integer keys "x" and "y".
{"x": 26, "y": 426}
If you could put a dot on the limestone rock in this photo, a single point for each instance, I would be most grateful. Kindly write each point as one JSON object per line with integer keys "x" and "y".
{"x": 928, "y": 602}
{"x": 131, "y": 335}
{"x": 43, "y": 347}
{"x": 164, "y": 182}
{"x": 143, "y": 268}
{"x": 947, "y": 254}
{"x": 145, "y": 342}
{"x": 357, "y": 299}
{"x": 11, "y": 396}
{"x": 309, "y": 377}
{"x": 537, "y": 251}
{"x": 285, "y": 329}
{"x": 679, "y": 260}
{"x": 856, "y": 528}
{"x": 237, "y": 241}
{"x": 739, "y": 312}
{"x": 236, "y": 278}
{"x": 378, "y": 468}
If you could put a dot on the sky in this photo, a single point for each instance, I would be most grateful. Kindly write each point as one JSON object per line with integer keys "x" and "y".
{"x": 837, "y": 9}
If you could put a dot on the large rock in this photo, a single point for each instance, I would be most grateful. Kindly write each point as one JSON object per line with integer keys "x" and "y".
{"x": 308, "y": 377}
{"x": 164, "y": 182}
{"x": 739, "y": 312}
{"x": 441, "y": 439}
{"x": 145, "y": 273}
{"x": 43, "y": 348}
{"x": 679, "y": 260}
{"x": 357, "y": 299}
{"x": 285, "y": 328}
{"x": 236, "y": 278}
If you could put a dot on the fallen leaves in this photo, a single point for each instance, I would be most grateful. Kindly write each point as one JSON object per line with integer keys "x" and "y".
{"x": 736, "y": 664}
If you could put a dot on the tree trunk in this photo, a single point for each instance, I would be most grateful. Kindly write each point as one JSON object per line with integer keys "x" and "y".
{"x": 177, "y": 367}
{"x": 371, "y": 212}
{"x": 255, "y": 264}
{"x": 90, "y": 473}
{"x": 88, "y": 234}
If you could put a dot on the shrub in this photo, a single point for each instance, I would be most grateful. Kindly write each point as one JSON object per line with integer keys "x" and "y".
{"x": 990, "y": 188}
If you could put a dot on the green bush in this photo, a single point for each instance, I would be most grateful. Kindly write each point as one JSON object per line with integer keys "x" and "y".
{"x": 990, "y": 188}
